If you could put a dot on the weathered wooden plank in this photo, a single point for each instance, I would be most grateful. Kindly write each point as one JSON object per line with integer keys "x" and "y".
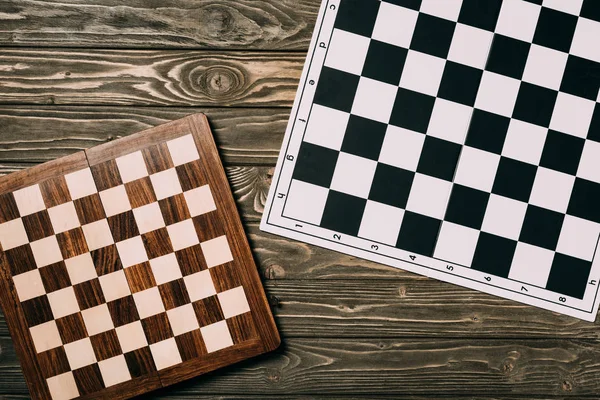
{"x": 158, "y": 78}
{"x": 242, "y": 24}
{"x": 165, "y": 395}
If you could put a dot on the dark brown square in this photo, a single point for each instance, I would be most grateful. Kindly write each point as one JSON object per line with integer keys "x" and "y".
{"x": 72, "y": 243}
{"x": 89, "y": 294}
{"x": 71, "y": 328}
{"x": 106, "y": 345}
{"x": 157, "y": 243}
{"x": 242, "y": 328}
{"x": 89, "y": 209}
{"x": 174, "y": 294}
{"x": 208, "y": 311}
{"x": 191, "y": 175}
{"x": 123, "y": 226}
{"x": 174, "y": 209}
{"x": 191, "y": 260}
{"x": 140, "y": 277}
{"x": 140, "y": 192}
{"x": 20, "y": 260}
{"x": 37, "y": 311}
{"x": 158, "y": 158}
{"x": 8, "y": 208}
{"x": 38, "y": 225}
{"x": 107, "y": 260}
{"x": 106, "y": 175}
{"x": 55, "y": 191}
{"x": 190, "y": 345}
{"x": 225, "y": 276}
{"x": 55, "y": 277}
{"x": 88, "y": 379}
{"x": 140, "y": 362}
{"x": 157, "y": 328}
{"x": 123, "y": 311}
{"x": 53, "y": 362}
{"x": 208, "y": 226}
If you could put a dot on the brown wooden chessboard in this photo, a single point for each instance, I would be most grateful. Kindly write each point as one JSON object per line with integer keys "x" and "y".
{"x": 125, "y": 268}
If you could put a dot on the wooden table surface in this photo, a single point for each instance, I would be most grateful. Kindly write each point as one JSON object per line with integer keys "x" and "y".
{"x": 76, "y": 73}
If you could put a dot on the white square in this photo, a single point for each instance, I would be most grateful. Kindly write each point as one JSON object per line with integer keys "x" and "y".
{"x": 381, "y": 223}
{"x": 578, "y": 238}
{"x": 395, "y": 25}
{"x": 63, "y": 387}
{"x": 200, "y": 201}
{"x": 29, "y": 200}
{"x": 165, "y": 354}
{"x": 374, "y": 100}
{"x": 326, "y": 127}
{"x": 81, "y": 268}
{"x": 166, "y": 184}
{"x": 429, "y": 196}
{"x": 114, "y": 286}
{"x": 97, "y": 319}
{"x": 63, "y": 217}
{"x": 80, "y": 353}
{"x": 518, "y": 19}
{"x": 63, "y": 302}
{"x": 216, "y": 251}
{"x": 585, "y": 40}
{"x": 216, "y": 336}
{"x": 524, "y": 142}
{"x": 233, "y": 302}
{"x": 456, "y": 244}
{"x": 305, "y": 202}
{"x": 81, "y": 184}
{"x": 183, "y": 319}
{"x": 588, "y": 165}
{"x": 13, "y": 234}
{"x": 97, "y": 235}
{"x": 183, "y": 150}
{"x": 165, "y": 269}
{"x": 347, "y": 52}
{"x": 46, "y": 251}
{"x": 470, "y": 46}
{"x": 115, "y": 200}
{"x": 149, "y": 303}
{"x": 497, "y": 94}
{"x": 477, "y": 169}
{"x": 545, "y": 67}
{"x": 447, "y": 9}
{"x": 504, "y": 217}
{"x": 450, "y": 121}
{"x": 183, "y": 235}
{"x": 570, "y": 7}
{"x": 45, "y": 336}
{"x": 572, "y": 115}
{"x": 200, "y": 285}
{"x": 402, "y": 148}
{"x": 531, "y": 264}
{"x": 149, "y": 218}
{"x": 552, "y": 190}
{"x": 131, "y": 337}
{"x": 353, "y": 175}
{"x": 114, "y": 371}
{"x": 132, "y": 251}
{"x": 29, "y": 285}
{"x": 132, "y": 167}
{"x": 422, "y": 73}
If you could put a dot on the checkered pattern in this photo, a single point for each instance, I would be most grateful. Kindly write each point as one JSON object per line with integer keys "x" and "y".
{"x": 463, "y": 132}
{"x": 115, "y": 271}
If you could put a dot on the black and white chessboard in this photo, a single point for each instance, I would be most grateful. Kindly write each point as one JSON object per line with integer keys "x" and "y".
{"x": 458, "y": 139}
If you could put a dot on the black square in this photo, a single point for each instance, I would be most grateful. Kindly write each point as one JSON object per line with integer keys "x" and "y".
{"x": 460, "y": 83}
{"x": 38, "y": 225}
{"x": 569, "y": 276}
{"x": 439, "y": 158}
{"x": 357, "y": 16}
{"x": 414, "y": 4}
{"x": 487, "y": 131}
{"x": 508, "y": 56}
{"x": 581, "y": 78}
{"x": 364, "y": 137}
{"x": 585, "y": 199}
{"x": 123, "y": 226}
{"x": 433, "y": 35}
{"x": 412, "y": 110}
{"x": 418, "y": 234}
{"x": 594, "y": 132}
{"x": 494, "y": 255}
{"x": 467, "y": 206}
{"x": 391, "y": 185}
{"x": 538, "y": 2}
{"x": 555, "y": 29}
{"x": 541, "y": 227}
{"x": 514, "y": 179}
{"x": 480, "y": 14}
{"x": 315, "y": 164}
{"x": 562, "y": 152}
{"x": 535, "y": 104}
{"x": 343, "y": 213}
{"x": 385, "y": 62}
{"x": 336, "y": 89}
{"x": 591, "y": 10}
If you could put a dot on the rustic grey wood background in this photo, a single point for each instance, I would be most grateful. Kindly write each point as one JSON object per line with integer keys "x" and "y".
{"x": 76, "y": 73}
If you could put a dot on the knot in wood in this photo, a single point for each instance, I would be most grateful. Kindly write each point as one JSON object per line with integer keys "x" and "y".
{"x": 567, "y": 386}
{"x": 274, "y": 271}
{"x": 217, "y": 19}
{"x": 219, "y": 83}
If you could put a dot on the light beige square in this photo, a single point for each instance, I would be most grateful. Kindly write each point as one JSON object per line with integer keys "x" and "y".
{"x": 45, "y": 336}
{"x": 29, "y": 200}
{"x": 216, "y": 251}
{"x": 97, "y": 235}
{"x": 165, "y": 354}
{"x": 200, "y": 201}
{"x": 149, "y": 218}
{"x": 81, "y": 268}
{"x": 81, "y": 184}
{"x": 63, "y": 217}
{"x": 13, "y": 234}
{"x": 216, "y": 336}
{"x": 63, "y": 387}
{"x": 148, "y": 302}
{"x": 183, "y": 235}
{"x": 114, "y": 286}
{"x": 132, "y": 167}
{"x": 29, "y": 285}
{"x": 234, "y": 302}
{"x": 80, "y": 353}
{"x": 114, "y": 371}
{"x": 166, "y": 184}
{"x": 183, "y": 319}
{"x": 200, "y": 285}
{"x": 63, "y": 302}
{"x": 165, "y": 269}
{"x": 97, "y": 319}
{"x": 131, "y": 337}
{"x": 183, "y": 150}
{"x": 46, "y": 251}
{"x": 115, "y": 200}
{"x": 132, "y": 251}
